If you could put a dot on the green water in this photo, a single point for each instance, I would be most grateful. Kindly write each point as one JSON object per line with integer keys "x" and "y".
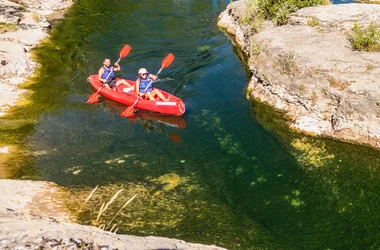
{"x": 234, "y": 176}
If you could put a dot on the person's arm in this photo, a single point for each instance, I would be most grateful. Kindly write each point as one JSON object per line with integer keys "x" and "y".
{"x": 154, "y": 77}
{"x": 137, "y": 86}
{"x": 100, "y": 73}
{"x": 117, "y": 67}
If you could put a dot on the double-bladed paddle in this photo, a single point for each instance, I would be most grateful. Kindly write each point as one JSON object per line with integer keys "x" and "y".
{"x": 165, "y": 63}
{"x": 123, "y": 53}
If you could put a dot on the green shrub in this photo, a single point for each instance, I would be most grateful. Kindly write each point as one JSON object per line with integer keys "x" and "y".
{"x": 250, "y": 11}
{"x": 279, "y": 10}
{"x": 282, "y": 14}
{"x": 257, "y": 22}
{"x": 366, "y": 39}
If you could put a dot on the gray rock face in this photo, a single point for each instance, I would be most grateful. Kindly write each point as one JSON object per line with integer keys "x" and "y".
{"x": 312, "y": 73}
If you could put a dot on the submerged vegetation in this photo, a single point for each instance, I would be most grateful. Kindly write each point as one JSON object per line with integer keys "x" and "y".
{"x": 366, "y": 39}
{"x": 276, "y": 10}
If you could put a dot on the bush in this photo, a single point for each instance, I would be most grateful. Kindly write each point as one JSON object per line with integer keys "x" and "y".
{"x": 366, "y": 39}
{"x": 279, "y": 10}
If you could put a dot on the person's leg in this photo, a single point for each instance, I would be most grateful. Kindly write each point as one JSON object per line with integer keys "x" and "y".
{"x": 128, "y": 87}
{"x": 150, "y": 96}
{"x": 107, "y": 86}
{"x": 122, "y": 81}
{"x": 159, "y": 94}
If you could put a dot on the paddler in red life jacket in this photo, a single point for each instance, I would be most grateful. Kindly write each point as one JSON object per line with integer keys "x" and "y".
{"x": 144, "y": 86}
{"x": 107, "y": 76}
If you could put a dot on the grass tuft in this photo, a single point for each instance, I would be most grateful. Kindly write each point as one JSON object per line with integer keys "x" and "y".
{"x": 313, "y": 21}
{"x": 286, "y": 63}
{"x": 336, "y": 84}
{"x": 369, "y": 67}
{"x": 37, "y": 18}
{"x": 7, "y": 27}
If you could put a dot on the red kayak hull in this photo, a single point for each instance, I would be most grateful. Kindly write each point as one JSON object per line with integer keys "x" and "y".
{"x": 174, "y": 106}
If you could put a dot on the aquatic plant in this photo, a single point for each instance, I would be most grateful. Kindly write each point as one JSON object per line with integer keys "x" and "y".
{"x": 103, "y": 208}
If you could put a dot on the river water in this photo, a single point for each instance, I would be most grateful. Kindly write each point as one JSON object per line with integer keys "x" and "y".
{"x": 227, "y": 173}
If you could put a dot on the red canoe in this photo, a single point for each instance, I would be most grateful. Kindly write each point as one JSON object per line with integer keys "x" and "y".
{"x": 174, "y": 106}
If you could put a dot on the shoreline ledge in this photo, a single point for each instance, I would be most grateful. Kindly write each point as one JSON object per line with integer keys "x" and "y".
{"x": 308, "y": 70}
{"x": 32, "y": 216}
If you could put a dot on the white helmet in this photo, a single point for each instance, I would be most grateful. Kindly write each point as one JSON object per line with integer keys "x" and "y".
{"x": 143, "y": 71}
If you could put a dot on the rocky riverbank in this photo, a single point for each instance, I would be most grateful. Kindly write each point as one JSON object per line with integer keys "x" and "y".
{"x": 308, "y": 69}
{"x": 33, "y": 216}
{"x": 22, "y": 26}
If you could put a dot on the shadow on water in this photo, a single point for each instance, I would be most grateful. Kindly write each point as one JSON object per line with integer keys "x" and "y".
{"x": 225, "y": 173}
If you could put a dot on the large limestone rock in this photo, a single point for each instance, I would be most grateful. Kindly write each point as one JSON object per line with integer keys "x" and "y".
{"x": 312, "y": 73}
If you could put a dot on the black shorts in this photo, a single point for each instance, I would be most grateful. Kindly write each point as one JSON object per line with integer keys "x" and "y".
{"x": 112, "y": 83}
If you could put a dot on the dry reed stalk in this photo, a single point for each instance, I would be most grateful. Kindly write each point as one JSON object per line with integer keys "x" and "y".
{"x": 112, "y": 227}
{"x": 116, "y": 230}
{"x": 88, "y": 198}
{"x": 131, "y": 199}
{"x": 104, "y": 208}
{"x": 100, "y": 212}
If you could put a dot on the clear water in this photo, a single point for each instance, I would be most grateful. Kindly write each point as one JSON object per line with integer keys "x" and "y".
{"x": 234, "y": 176}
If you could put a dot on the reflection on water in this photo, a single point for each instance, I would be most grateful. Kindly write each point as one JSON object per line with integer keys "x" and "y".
{"x": 224, "y": 174}
{"x": 146, "y": 117}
